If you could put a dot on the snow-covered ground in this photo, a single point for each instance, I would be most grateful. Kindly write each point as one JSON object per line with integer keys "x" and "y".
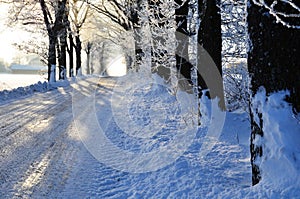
{"x": 42, "y": 154}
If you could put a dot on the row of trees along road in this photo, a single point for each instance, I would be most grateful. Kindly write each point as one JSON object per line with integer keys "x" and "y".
{"x": 273, "y": 30}
{"x": 62, "y": 22}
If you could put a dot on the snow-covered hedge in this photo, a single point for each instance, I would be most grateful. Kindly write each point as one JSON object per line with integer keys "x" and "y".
{"x": 236, "y": 87}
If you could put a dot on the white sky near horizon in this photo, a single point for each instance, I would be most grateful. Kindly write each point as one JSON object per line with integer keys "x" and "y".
{"x": 6, "y": 49}
{"x": 8, "y": 36}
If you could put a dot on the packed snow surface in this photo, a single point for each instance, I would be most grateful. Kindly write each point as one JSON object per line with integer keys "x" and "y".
{"x": 43, "y": 153}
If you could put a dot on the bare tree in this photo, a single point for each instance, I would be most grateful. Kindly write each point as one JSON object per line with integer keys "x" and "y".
{"x": 49, "y": 16}
{"x": 78, "y": 13}
{"x": 51, "y": 27}
{"x": 62, "y": 15}
{"x": 88, "y": 48}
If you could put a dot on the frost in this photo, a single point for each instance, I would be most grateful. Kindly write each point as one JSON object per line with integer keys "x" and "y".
{"x": 281, "y": 17}
{"x": 236, "y": 86}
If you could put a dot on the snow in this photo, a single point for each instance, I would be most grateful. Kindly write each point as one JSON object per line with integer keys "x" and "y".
{"x": 11, "y": 86}
{"x": 45, "y": 151}
{"x": 52, "y": 74}
{"x": 12, "y": 81}
{"x": 26, "y": 67}
{"x": 281, "y": 144}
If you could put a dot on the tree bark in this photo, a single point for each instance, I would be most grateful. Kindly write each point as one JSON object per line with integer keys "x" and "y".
{"x": 52, "y": 58}
{"x": 52, "y": 42}
{"x": 274, "y": 63}
{"x": 88, "y": 55}
{"x": 210, "y": 38}
{"x": 182, "y": 54}
{"x": 62, "y": 56}
{"x": 62, "y": 25}
{"x": 71, "y": 55}
{"x": 78, "y": 48}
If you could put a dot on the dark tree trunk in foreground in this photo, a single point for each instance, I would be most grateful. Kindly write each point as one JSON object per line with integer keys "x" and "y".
{"x": 274, "y": 63}
{"x": 210, "y": 38}
{"x": 209, "y": 35}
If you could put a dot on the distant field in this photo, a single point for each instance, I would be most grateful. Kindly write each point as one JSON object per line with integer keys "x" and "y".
{"x": 11, "y": 81}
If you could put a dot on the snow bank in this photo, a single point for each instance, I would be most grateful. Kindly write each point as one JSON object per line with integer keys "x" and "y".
{"x": 11, "y": 81}
{"x": 280, "y": 164}
{"x": 40, "y": 87}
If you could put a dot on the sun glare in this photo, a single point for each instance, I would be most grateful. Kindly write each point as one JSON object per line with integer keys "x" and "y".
{"x": 117, "y": 67}
{"x": 9, "y": 36}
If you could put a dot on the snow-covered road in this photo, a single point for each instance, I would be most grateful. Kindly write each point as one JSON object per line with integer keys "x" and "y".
{"x": 37, "y": 147}
{"x": 42, "y": 156}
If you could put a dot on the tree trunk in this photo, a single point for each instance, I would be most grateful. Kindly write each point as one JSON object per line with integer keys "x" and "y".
{"x": 71, "y": 55}
{"x": 274, "y": 63}
{"x": 56, "y": 28}
{"x": 78, "y": 54}
{"x": 52, "y": 42}
{"x": 135, "y": 19}
{"x": 52, "y": 58}
{"x": 88, "y": 70}
{"x": 182, "y": 54}
{"x": 60, "y": 29}
{"x": 88, "y": 55}
{"x": 62, "y": 56}
{"x": 210, "y": 38}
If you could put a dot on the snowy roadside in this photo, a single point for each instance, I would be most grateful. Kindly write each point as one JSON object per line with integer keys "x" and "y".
{"x": 37, "y": 144}
{"x": 42, "y": 154}
{"x": 11, "y": 81}
{"x": 15, "y": 92}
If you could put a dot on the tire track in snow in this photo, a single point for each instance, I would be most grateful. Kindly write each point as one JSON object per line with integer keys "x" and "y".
{"x": 25, "y": 153}
{"x": 13, "y": 118}
{"x": 27, "y": 130}
{"x": 48, "y": 175}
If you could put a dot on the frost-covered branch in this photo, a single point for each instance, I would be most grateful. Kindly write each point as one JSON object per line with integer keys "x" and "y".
{"x": 289, "y": 19}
